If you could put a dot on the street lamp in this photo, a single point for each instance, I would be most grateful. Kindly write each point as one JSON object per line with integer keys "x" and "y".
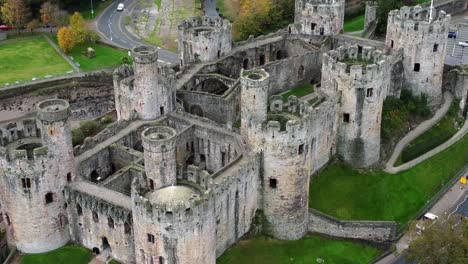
{"x": 92, "y": 10}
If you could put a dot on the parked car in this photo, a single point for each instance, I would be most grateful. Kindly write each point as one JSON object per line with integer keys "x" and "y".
{"x": 427, "y": 218}
{"x": 452, "y": 34}
{"x": 5, "y": 27}
{"x": 463, "y": 44}
{"x": 120, "y": 7}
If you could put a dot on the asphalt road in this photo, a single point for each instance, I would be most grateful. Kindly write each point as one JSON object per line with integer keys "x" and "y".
{"x": 111, "y": 25}
{"x": 209, "y": 7}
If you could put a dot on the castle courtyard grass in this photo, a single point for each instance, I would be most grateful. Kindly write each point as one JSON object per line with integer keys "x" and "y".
{"x": 307, "y": 250}
{"x": 23, "y": 60}
{"x": 299, "y": 91}
{"x": 68, "y": 254}
{"x": 345, "y": 193}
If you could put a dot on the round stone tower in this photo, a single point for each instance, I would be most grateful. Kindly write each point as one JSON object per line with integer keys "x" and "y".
{"x": 423, "y": 38}
{"x": 34, "y": 173}
{"x": 175, "y": 224}
{"x": 254, "y": 102}
{"x": 287, "y": 166}
{"x": 203, "y": 39}
{"x": 320, "y": 17}
{"x": 361, "y": 78}
{"x": 159, "y": 145}
{"x": 146, "y": 91}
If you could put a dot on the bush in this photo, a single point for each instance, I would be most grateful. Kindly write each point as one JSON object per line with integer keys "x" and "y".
{"x": 398, "y": 112}
{"x": 77, "y": 137}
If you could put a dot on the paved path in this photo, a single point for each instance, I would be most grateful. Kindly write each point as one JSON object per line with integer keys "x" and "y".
{"x": 418, "y": 131}
{"x": 60, "y": 51}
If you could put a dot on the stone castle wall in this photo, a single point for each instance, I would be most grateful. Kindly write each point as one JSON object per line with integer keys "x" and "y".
{"x": 204, "y": 39}
{"x": 320, "y": 17}
{"x": 362, "y": 89}
{"x": 424, "y": 45}
{"x": 90, "y": 95}
{"x": 367, "y": 230}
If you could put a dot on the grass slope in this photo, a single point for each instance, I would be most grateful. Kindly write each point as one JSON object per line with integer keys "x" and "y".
{"x": 354, "y": 24}
{"x": 67, "y": 254}
{"x": 348, "y": 194}
{"x": 25, "y": 59}
{"x": 106, "y": 56}
{"x": 432, "y": 138}
{"x": 307, "y": 250}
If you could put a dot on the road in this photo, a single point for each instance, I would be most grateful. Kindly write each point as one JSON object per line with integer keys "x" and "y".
{"x": 111, "y": 25}
{"x": 209, "y": 7}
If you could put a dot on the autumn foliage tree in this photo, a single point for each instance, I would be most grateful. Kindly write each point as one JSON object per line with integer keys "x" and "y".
{"x": 48, "y": 13}
{"x": 79, "y": 28}
{"x": 15, "y": 12}
{"x": 66, "y": 39}
{"x": 262, "y": 16}
{"x": 443, "y": 241}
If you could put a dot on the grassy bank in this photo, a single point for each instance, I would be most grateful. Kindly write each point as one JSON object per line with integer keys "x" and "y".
{"x": 67, "y": 254}
{"x": 306, "y": 250}
{"x": 434, "y": 137}
{"x": 23, "y": 60}
{"x": 377, "y": 195}
{"x": 354, "y": 24}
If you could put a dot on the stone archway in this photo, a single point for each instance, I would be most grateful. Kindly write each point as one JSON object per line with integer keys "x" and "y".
{"x": 197, "y": 110}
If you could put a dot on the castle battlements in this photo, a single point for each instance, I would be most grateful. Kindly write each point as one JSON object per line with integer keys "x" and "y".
{"x": 417, "y": 19}
{"x": 201, "y": 23}
{"x": 322, "y": 2}
{"x": 424, "y": 44}
{"x": 350, "y": 63}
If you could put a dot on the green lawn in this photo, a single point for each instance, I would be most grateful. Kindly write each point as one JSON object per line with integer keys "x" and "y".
{"x": 307, "y": 250}
{"x": 348, "y": 194}
{"x": 67, "y": 254}
{"x": 432, "y": 138}
{"x": 26, "y": 59}
{"x": 106, "y": 56}
{"x": 299, "y": 91}
{"x": 354, "y": 24}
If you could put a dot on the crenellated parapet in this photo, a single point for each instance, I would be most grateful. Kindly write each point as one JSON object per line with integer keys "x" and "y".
{"x": 175, "y": 218}
{"x": 203, "y": 39}
{"x": 356, "y": 64}
{"x": 320, "y": 17}
{"x": 422, "y": 35}
{"x": 146, "y": 89}
{"x": 361, "y": 78}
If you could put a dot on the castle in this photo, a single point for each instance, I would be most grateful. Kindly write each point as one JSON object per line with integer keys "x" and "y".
{"x": 175, "y": 180}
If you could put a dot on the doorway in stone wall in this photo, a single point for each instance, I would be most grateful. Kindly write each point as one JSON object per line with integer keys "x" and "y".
{"x": 105, "y": 244}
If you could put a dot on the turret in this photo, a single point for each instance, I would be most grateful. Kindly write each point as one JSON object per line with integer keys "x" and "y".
{"x": 159, "y": 145}
{"x": 175, "y": 224}
{"x": 144, "y": 91}
{"x": 34, "y": 173}
{"x": 203, "y": 39}
{"x": 254, "y": 102}
{"x": 361, "y": 79}
{"x": 424, "y": 43}
{"x": 320, "y": 17}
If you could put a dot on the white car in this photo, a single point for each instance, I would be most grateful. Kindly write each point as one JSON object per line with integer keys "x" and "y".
{"x": 120, "y": 7}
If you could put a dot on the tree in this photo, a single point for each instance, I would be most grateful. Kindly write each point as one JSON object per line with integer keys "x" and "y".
{"x": 48, "y": 13}
{"x": 62, "y": 18}
{"x": 442, "y": 241}
{"x": 66, "y": 39}
{"x": 15, "y": 13}
{"x": 33, "y": 24}
{"x": 79, "y": 28}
